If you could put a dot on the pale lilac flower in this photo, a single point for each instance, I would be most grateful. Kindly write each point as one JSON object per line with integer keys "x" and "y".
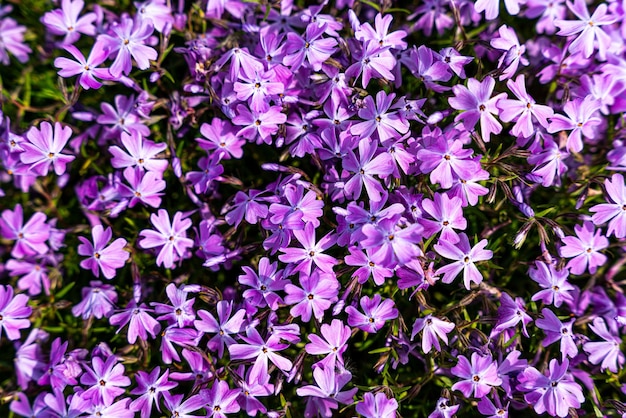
{"x": 581, "y": 119}
{"x": 14, "y": 312}
{"x": 377, "y": 406}
{"x": 380, "y": 33}
{"x": 444, "y": 409}
{"x": 30, "y": 238}
{"x": 150, "y": 387}
{"x": 447, "y": 213}
{"x": 556, "y": 288}
{"x": 310, "y": 253}
{"x": 556, "y": 330}
{"x": 328, "y": 390}
{"x": 143, "y": 187}
{"x": 465, "y": 256}
{"x": 127, "y": 40}
{"x": 12, "y": 40}
{"x": 589, "y": 29}
{"x": 65, "y": 21}
{"x": 102, "y": 256}
{"x": 98, "y": 301}
{"x": 555, "y": 393}
{"x": 584, "y": 248}
{"x": 374, "y": 61}
{"x": 44, "y": 147}
{"x": 364, "y": 168}
{"x": 478, "y": 377}
{"x": 446, "y": 160}
{"x": 105, "y": 380}
{"x": 170, "y": 238}
{"x": 613, "y": 212}
{"x": 510, "y": 313}
{"x": 492, "y": 7}
{"x": 158, "y": 11}
{"x": 333, "y": 345}
{"x": 86, "y": 69}
{"x": 549, "y": 10}
{"x": 375, "y": 313}
{"x": 221, "y": 400}
{"x": 607, "y": 353}
{"x": 138, "y": 152}
{"x": 139, "y": 321}
{"x": 513, "y": 52}
{"x": 523, "y": 110}
{"x": 261, "y": 351}
{"x": 477, "y": 105}
{"x": 311, "y": 47}
{"x": 433, "y": 329}
{"x": 223, "y": 327}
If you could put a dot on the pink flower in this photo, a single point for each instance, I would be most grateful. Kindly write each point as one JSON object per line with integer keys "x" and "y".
{"x": 170, "y": 238}
{"x": 44, "y": 147}
{"x": 103, "y": 257}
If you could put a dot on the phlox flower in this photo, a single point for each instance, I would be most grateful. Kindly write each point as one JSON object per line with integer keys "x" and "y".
{"x": 310, "y": 253}
{"x": 102, "y": 256}
{"x": 607, "y": 353}
{"x": 221, "y": 138}
{"x": 584, "y": 248}
{"x": 364, "y": 168}
{"x": 14, "y": 312}
{"x": 432, "y": 14}
{"x": 105, "y": 380}
{"x": 33, "y": 274}
{"x": 492, "y": 7}
{"x": 523, "y": 110}
{"x": 377, "y": 406}
{"x": 98, "y": 300}
{"x": 158, "y": 11}
{"x": 433, "y": 329}
{"x": 312, "y": 47}
{"x": 446, "y": 160}
{"x": 138, "y": 152}
{"x": 179, "y": 311}
{"x": 327, "y": 394}
{"x": 183, "y": 409}
{"x": 478, "y": 376}
{"x": 554, "y": 393}
{"x": 477, "y": 105}
{"x": 447, "y": 214}
{"x": 581, "y": 119}
{"x": 259, "y": 125}
{"x": 556, "y": 288}
{"x": 510, "y": 313}
{"x": 333, "y": 344}
{"x": 250, "y": 390}
{"x": 549, "y": 10}
{"x": 139, "y": 321}
{"x": 86, "y": 69}
{"x": 513, "y": 52}
{"x": 170, "y": 238}
{"x": 43, "y": 148}
{"x": 12, "y": 41}
{"x": 377, "y": 118}
{"x": 317, "y": 293}
{"x": 613, "y": 212}
{"x": 151, "y": 387}
{"x": 556, "y": 330}
{"x": 444, "y": 409}
{"x": 264, "y": 284}
{"x": 223, "y": 327}
{"x": 465, "y": 256}
{"x": 65, "y": 21}
{"x": 373, "y": 61}
{"x": 392, "y": 242}
{"x": 261, "y": 350}
{"x": 491, "y": 410}
{"x": 30, "y": 238}
{"x": 549, "y": 165}
{"x": 143, "y": 187}
{"x": 380, "y": 33}
{"x": 375, "y": 313}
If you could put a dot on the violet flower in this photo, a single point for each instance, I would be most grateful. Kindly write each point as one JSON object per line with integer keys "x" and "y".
{"x": 139, "y": 321}
{"x": 44, "y": 147}
{"x": 14, "y": 313}
{"x": 223, "y": 327}
{"x": 261, "y": 350}
{"x": 105, "y": 380}
{"x": 433, "y": 329}
{"x": 327, "y": 393}
{"x": 86, "y": 69}
{"x": 556, "y": 288}
{"x": 584, "y": 248}
{"x": 333, "y": 345}
{"x": 65, "y": 21}
{"x": 98, "y": 301}
{"x": 317, "y": 293}
{"x": 523, "y": 110}
{"x": 12, "y": 41}
{"x": 478, "y": 377}
{"x": 138, "y": 152}
{"x": 510, "y": 313}
{"x": 613, "y": 211}
{"x": 127, "y": 40}
{"x": 150, "y": 387}
{"x": 311, "y": 253}
{"x": 102, "y": 256}
{"x": 607, "y": 353}
{"x": 465, "y": 257}
{"x": 375, "y": 313}
{"x": 581, "y": 119}
{"x": 30, "y": 238}
{"x": 556, "y": 330}
{"x": 170, "y": 238}
{"x": 377, "y": 406}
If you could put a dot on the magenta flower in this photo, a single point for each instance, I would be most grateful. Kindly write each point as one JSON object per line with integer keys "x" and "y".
{"x": 105, "y": 380}
{"x": 85, "y": 68}
{"x": 127, "y": 39}
{"x": 584, "y": 248}
{"x": 170, "y": 238}
{"x": 179, "y": 311}
{"x": 139, "y": 321}
{"x": 261, "y": 350}
{"x": 14, "y": 312}
{"x": 377, "y": 406}
{"x": 446, "y": 160}
{"x": 30, "y": 238}
{"x": 478, "y": 377}
{"x": 581, "y": 119}
{"x": 589, "y": 29}
{"x": 513, "y": 52}
{"x": 556, "y": 288}
{"x": 259, "y": 126}
{"x": 556, "y": 330}
{"x": 221, "y": 138}
{"x": 333, "y": 345}
{"x": 65, "y": 21}
{"x": 374, "y": 315}
{"x": 444, "y": 409}
{"x": 555, "y": 393}
{"x": 264, "y": 285}
{"x": 374, "y": 61}
{"x": 392, "y": 243}
{"x": 143, "y": 187}
{"x": 317, "y": 293}
{"x": 613, "y": 212}
{"x": 465, "y": 256}
{"x": 607, "y": 353}
{"x": 477, "y": 105}
{"x": 523, "y": 110}
{"x": 310, "y": 253}
{"x": 44, "y": 147}
{"x": 150, "y": 387}
{"x": 433, "y": 329}
{"x": 103, "y": 257}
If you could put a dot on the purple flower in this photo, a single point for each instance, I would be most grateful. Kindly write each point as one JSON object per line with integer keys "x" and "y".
{"x": 180, "y": 409}
{"x": 612, "y": 212}
{"x": 180, "y": 312}
{"x": 581, "y": 119}
{"x": 140, "y": 322}
{"x": 433, "y": 329}
{"x": 510, "y": 313}
{"x": 65, "y": 21}
{"x": 264, "y": 285}
{"x": 378, "y": 406}
{"x": 448, "y": 216}
{"x": 250, "y": 390}
{"x": 477, "y": 105}
{"x": 127, "y": 39}
{"x": 311, "y": 47}
{"x": 221, "y": 138}
{"x": 150, "y": 387}
{"x": 388, "y": 125}
{"x": 492, "y": 7}
{"x": 14, "y": 313}
{"x": 374, "y": 61}
{"x": 30, "y": 237}
{"x": 555, "y": 393}
{"x": 555, "y": 330}
{"x": 365, "y": 168}
{"x": 549, "y": 163}
{"x": 143, "y": 187}
{"x": 311, "y": 253}
{"x": 589, "y": 28}
{"x": 223, "y": 327}
{"x": 261, "y": 350}
{"x": 478, "y": 377}
{"x": 374, "y": 315}
{"x": 12, "y": 40}
{"x": 139, "y": 152}
{"x": 556, "y": 288}
{"x": 259, "y": 126}
{"x": 103, "y": 257}
{"x": 584, "y": 248}
{"x": 87, "y": 68}
{"x": 44, "y": 147}
{"x": 170, "y": 238}
{"x": 444, "y": 409}
{"x": 316, "y": 294}
{"x": 607, "y": 353}
{"x": 105, "y": 380}
{"x": 523, "y": 110}
{"x": 380, "y": 33}
{"x": 465, "y": 257}
{"x": 98, "y": 301}
{"x": 245, "y": 205}
{"x": 445, "y": 160}
{"x": 221, "y": 400}
{"x": 392, "y": 242}
{"x": 328, "y": 391}
{"x": 333, "y": 345}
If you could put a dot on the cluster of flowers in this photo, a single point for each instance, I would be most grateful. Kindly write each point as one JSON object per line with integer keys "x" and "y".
{"x": 379, "y": 171}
